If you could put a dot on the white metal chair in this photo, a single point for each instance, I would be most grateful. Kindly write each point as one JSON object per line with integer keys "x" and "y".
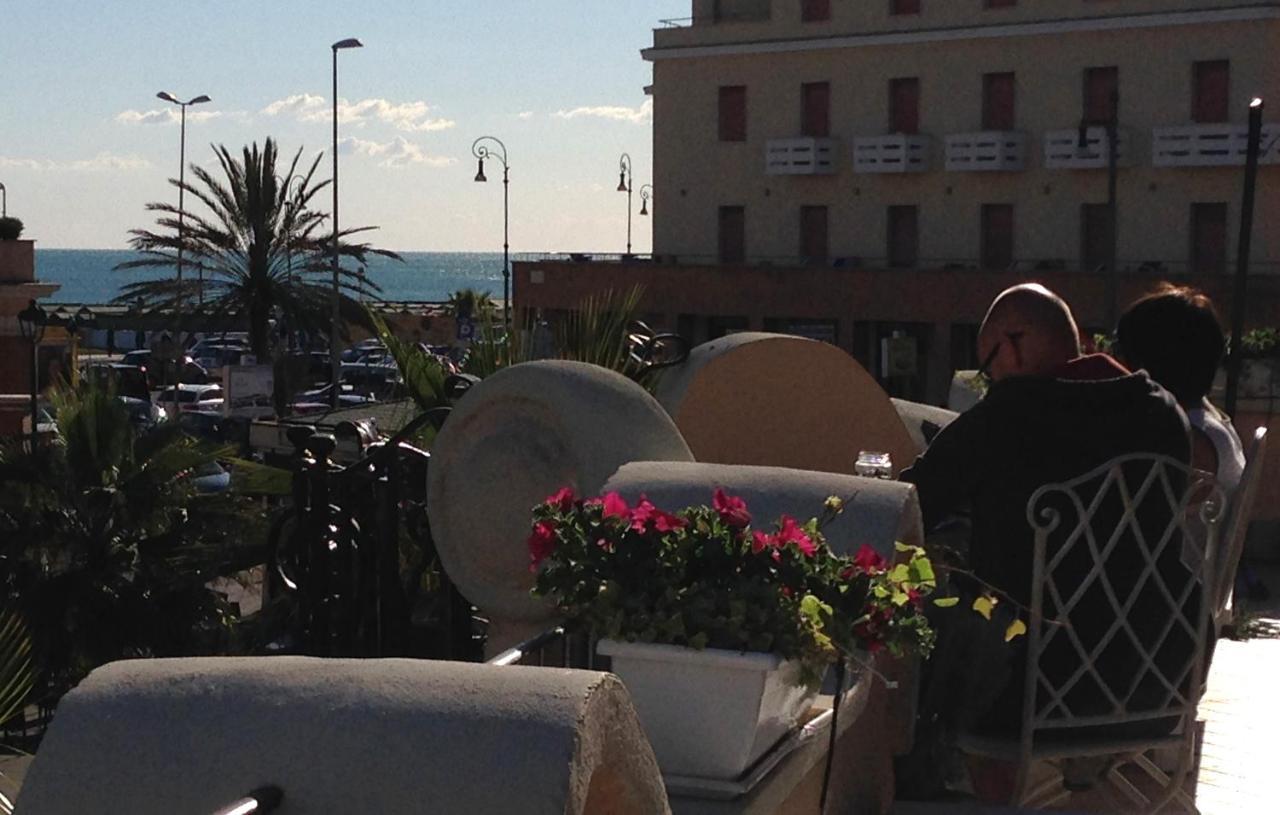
{"x": 1235, "y": 529}
{"x": 1117, "y": 629}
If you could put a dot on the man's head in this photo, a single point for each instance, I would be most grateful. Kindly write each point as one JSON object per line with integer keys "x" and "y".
{"x": 1175, "y": 335}
{"x": 1028, "y": 331}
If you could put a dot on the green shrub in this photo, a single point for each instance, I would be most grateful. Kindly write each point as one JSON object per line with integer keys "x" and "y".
{"x": 10, "y": 229}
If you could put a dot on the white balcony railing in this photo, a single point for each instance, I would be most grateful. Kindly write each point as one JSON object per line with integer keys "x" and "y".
{"x": 997, "y": 150}
{"x": 896, "y": 153}
{"x": 803, "y": 155}
{"x": 1063, "y": 150}
{"x": 1210, "y": 145}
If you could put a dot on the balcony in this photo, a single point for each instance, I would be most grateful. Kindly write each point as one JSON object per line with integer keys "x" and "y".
{"x": 1063, "y": 151}
{"x": 895, "y": 153}
{"x": 988, "y": 150}
{"x": 804, "y": 155}
{"x": 1210, "y": 145}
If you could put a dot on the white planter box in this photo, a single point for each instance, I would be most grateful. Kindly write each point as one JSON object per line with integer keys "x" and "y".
{"x": 709, "y": 713}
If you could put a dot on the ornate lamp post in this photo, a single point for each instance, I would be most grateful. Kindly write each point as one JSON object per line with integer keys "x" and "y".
{"x": 31, "y": 320}
{"x": 481, "y": 152}
{"x": 335, "y": 363}
{"x": 646, "y": 195}
{"x": 4, "y": 202}
{"x": 182, "y": 170}
{"x": 624, "y": 185}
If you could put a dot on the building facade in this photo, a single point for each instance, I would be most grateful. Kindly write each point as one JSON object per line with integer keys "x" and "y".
{"x": 857, "y": 170}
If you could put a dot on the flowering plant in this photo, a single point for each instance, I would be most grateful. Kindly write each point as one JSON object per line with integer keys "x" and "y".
{"x": 704, "y": 577}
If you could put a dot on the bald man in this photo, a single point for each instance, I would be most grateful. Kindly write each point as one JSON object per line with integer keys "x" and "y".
{"x": 1050, "y": 414}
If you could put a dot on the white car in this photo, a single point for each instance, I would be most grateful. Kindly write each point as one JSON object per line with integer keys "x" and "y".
{"x": 192, "y": 397}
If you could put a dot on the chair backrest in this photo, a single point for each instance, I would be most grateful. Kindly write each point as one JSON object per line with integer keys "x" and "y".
{"x": 1123, "y": 558}
{"x": 1236, "y": 527}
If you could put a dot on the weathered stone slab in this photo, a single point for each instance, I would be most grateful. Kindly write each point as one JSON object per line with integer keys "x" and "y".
{"x": 394, "y": 737}
{"x": 780, "y": 400}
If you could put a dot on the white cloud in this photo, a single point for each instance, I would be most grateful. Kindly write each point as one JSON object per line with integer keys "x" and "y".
{"x": 102, "y": 161}
{"x": 617, "y": 113}
{"x": 526, "y": 115}
{"x": 408, "y": 116}
{"x": 165, "y": 116}
{"x": 399, "y": 152}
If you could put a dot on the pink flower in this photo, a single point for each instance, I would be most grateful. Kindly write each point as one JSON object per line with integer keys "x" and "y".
{"x": 605, "y": 544}
{"x": 562, "y": 500}
{"x": 616, "y": 507}
{"x": 666, "y": 522}
{"x": 869, "y": 560}
{"x": 761, "y": 541}
{"x": 542, "y": 542}
{"x": 644, "y": 512}
{"x": 792, "y": 533}
{"x": 732, "y": 509}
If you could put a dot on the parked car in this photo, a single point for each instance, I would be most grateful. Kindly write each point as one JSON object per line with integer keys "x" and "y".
{"x": 211, "y": 477}
{"x": 193, "y": 397}
{"x": 233, "y": 338}
{"x": 128, "y": 380}
{"x": 324, "y": 395}
{"x": 142, "y": 413}
{"x": 220, "y": 356}
{"x": 205, "y": 424}
{"x": 190, "y": 371}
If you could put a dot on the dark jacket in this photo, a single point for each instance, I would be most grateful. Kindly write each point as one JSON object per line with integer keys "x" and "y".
{"x": 1029, "y": 431}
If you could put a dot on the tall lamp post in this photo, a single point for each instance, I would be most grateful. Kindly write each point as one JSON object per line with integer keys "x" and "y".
{"x": 1111, "y": 129}
{"x": 1253, "y": 148}
{"x": 624, "y": 185}
{"x": 482, "y": 151}
{"x": 31, "y": 321}
{"x": 335, "y": 364}
{"x": 182, "y": 177}
{"x": 4, "y": 202}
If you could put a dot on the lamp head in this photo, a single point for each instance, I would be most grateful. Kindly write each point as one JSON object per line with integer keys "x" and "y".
{"x": 350, "y": 42}
{"x": 31, "y": 322}
{"x": 168, "y": 97}
{"x": 622, "y": 181}
{"x": 480, "y": 170}
{"x": 644, "y": 206}
{"x": 199, "y": 99}
{"x": 1255, "y": 103}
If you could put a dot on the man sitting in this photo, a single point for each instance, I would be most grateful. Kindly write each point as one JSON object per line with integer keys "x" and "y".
{"x": 1050, "y": 414}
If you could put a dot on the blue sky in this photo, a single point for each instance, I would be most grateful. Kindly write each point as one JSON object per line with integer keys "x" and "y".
{"x": 84, "y": 142}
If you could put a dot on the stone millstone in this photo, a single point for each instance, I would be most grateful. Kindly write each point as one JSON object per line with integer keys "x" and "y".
{"x": 514, "y": 439}
{"x": 783, "y": 401}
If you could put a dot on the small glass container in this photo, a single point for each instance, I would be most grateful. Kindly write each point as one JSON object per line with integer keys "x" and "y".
{"x": 872, "y": 464}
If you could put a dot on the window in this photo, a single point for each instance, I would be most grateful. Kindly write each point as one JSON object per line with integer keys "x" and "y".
{"x": 1095, "y": 236}
{"x": 904, "y": 105}
{"x": 733, "y": 234}
{"x": 1211, "y": 92}
{"x": 1101, "y": 94}
{"x": 998, "y": 102}
{"x": 733, "y": 113}
{"x": 815, "y": 109}
{"x": 997, "y": 236}
{"x": 903, "y": 240}
{"x": 813, "y": 235}
{"x": 815, "y": 11}
{"x": 904, "y": 6}
{"x": 1209, "y": 238}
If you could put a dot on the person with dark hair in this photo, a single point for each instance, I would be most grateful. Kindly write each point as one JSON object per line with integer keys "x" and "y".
{"x": 1174, "y": 335}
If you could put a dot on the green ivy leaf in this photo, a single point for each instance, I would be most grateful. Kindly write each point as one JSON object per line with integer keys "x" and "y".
{"x": 946, "y": 602}
{"x": 1016, "y": 629}
{"x": 984, "y": 605}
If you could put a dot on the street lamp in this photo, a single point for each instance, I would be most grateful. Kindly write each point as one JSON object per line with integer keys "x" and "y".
{"x": 646, "y": 195}
{"x": 1111, "y": 129}
{"x": 624, "y": 185}
{"x": 1253, "y": 147}
{"x": 335, "y": 364}
{"x": 482, "y": 152}
{"x": 182, "y": 175}
{"x": 4, "y": 202}
{"x": 31, "y": 321}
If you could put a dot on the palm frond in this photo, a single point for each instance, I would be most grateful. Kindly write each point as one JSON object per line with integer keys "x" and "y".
{"x": 16, "y": 674}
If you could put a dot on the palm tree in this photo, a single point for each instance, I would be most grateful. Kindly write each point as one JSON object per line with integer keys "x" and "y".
{"x": 471, "y": 303}
{"x": 262, "y": 251}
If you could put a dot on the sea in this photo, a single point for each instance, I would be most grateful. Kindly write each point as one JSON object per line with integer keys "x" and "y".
{"x": 89, "y": 276}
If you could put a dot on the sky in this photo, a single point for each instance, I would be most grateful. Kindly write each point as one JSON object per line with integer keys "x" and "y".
{"x": 85, "y": 143}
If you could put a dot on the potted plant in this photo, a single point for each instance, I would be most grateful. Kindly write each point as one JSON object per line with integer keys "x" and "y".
{"x": 1258, "y": 350}
{"x": 10, "y": 229}
{"x": 722, "y": 631}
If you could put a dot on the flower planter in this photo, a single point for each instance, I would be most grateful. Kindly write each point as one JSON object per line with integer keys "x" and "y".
{"x": 709, "y": 713}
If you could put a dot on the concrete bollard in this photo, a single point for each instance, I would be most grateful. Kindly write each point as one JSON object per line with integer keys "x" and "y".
{"x": 394, "y": 737}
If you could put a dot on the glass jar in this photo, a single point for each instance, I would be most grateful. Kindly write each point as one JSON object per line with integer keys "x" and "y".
{"x": 872, "y": 464}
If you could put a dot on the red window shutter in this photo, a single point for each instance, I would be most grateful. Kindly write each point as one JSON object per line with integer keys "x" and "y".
{"x": 733, "y": 113}
{"x": 904, "y": 7}
{"x": 998, "y": 102}
{"x": 1095, "y": 236}
{"x": 904, "y": 105}
{"x": 815, "y": 109}
{"x": 903, "y": 237}
{"x": 813, "y": 11}
{"x": 1209, "y": 238}
{"x": 997, "y": 236}
{"x": 813, "y": 235}
{"x": 733, "y": 234}
{"x": 1211, "y": 93}
{"x": 1100, "y": 87}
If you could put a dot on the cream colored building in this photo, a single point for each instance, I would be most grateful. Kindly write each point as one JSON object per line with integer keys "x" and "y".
{"x": 999, "y": 90}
